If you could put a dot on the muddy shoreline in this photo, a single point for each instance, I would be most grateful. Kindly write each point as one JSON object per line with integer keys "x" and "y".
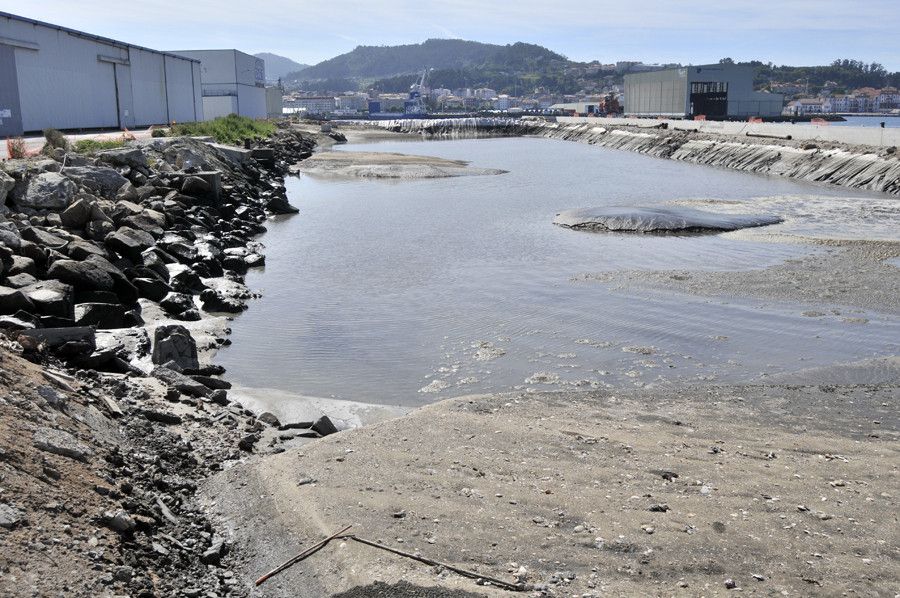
{"x": 788, "y": 486}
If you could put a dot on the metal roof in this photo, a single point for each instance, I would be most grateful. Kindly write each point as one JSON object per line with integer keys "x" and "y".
{"x": 91, "y": 36}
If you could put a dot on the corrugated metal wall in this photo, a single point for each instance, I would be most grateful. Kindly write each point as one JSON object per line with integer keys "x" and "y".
{"x": 148, "y": 81}
{"x": 656, "y": 93}
{"x": 69, "y": 80}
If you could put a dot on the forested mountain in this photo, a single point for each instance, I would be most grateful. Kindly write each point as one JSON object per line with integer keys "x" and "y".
{"x": 378, "y": 62}
{"x": 279, "y": 66}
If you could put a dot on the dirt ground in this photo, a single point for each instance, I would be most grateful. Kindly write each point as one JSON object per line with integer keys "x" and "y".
{"x": 666, "y": 492}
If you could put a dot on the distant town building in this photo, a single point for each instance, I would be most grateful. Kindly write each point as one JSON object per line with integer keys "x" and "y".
{"x": 716, "y": 91}
{"x": 55, "y": 77}
{"x": 232, "y": 82}
{"x": 485, "y": 93}
{"x": 312, "y": 105}
{"x": 806, "y": 106}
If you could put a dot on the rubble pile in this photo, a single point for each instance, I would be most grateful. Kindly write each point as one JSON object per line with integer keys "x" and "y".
{"x": 106, "y": 263}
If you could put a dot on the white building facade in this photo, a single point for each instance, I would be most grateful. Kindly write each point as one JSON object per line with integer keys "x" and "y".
{"x": 232, "y": 82}
{"x": 55, "y": 77}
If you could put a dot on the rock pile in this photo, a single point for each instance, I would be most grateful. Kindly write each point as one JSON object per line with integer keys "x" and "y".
{"x": 97, "y": 257}
{"x": 92, "y": 243}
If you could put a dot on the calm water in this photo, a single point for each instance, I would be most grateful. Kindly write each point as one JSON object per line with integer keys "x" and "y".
{"x": 408, "y": 292}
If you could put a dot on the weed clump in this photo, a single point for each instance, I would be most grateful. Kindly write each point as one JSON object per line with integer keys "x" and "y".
{"x": 231, "y": 129}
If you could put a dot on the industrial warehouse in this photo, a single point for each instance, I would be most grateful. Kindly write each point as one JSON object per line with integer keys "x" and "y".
{"x": 232, "y": 82}
{"x": 51, "y": 76}
{"x": 713, "y": 91}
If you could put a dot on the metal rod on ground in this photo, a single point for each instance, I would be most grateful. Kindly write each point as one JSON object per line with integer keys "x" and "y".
{"x": 301, "y": 556}
{"x": 470, "y": 574}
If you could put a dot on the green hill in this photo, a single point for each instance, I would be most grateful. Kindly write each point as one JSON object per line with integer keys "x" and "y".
{"x": 378, "y": 62}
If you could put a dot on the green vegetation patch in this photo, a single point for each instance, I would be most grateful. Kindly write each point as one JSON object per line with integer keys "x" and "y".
{"x": 231, "y": 129}
{"x": 91, "y": 146}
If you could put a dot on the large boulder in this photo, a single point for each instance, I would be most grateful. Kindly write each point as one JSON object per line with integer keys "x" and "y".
{"x": 77, "y": 215}
{"x": 125, "y": 156}
{"x": 51, "y": 297}
{"x": 180, "y": 382}
{"x": 13, "y": 300}
{"x": 174, "y": 343}
{"x": 129, "y": 242}
{"x": 9, "y": 235}
{"x": 153, "y": 289}
{"x": 42, "y": 237}
{"x": 83, "y": 276}
{"x": 101, "y": 315}
{"x": 97, "y": 179}
{"x": 48, "y": 191}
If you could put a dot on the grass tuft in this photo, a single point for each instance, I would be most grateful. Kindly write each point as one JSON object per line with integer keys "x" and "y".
{"x": 231, "y": 129}
{"x": 91, "y": 146}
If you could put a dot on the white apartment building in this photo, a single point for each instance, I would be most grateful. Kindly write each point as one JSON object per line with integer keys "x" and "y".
{"x": 313, "y": 104}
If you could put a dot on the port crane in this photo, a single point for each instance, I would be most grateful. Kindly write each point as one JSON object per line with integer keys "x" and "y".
{"x": 415, "y": 105}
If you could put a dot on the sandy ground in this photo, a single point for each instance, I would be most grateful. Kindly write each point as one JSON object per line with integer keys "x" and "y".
{"x": 386, "y": 165}
{"x": 654, "y": 493}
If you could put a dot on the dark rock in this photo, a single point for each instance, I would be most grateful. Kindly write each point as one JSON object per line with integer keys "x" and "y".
{"x": 54, "y": 338}
{"x": 77, "y": 215}
{"x": 174, "y": 343}
{"x": 52, "y": 298}
{"x": 180, "y": 382}
{"x": 195, "y": 186}
{"x": 247, "y": 442}
{"x": 42, "y": 237}
{"x": 324, "y": 426}
{"x": 219, "y": 397}
{"x": 17, "y": 281}
{"x": 213, "y": 555}
{"x": 81, "y": 275}
{"x": 129, "y": 242}
{"x": 22, "y": 265}
{"x": 47, "y": 191}
{"x": 98, "y": 179}
{"x": 125, "y": 156}
{"x": 101, "y": 315}
{"x": 269, "y": 418}
{"x": 13, "y": 300}
{"x": 211, "y": 382}
{"x": 151, "y": 288}
{"x": 81, "y": 250}
{"x": 186, "y": 281}
{"x": 280, "y": 205}
{"x": 213, "y": 301}
{"x": 176, "y": 303}
{"x": 161, "y": 417}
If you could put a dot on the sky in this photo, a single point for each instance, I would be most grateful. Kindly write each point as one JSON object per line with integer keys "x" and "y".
{"x": 796, "y": 32}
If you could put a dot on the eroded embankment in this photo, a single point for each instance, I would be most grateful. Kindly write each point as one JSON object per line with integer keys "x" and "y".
{"x": 857, "y": 167}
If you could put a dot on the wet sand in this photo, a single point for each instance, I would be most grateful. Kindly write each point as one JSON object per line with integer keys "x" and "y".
{"x": 606, "y": 493}
{"x": 384, "y": 165}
